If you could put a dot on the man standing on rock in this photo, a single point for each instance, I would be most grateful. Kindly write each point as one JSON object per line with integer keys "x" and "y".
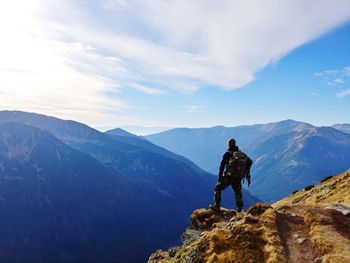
{"x": 237, "y": 166}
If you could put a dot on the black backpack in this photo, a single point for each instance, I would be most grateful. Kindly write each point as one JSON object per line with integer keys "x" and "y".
{"x": 238, "y": 165}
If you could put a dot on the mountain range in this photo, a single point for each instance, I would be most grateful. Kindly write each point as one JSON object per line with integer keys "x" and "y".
{"x": 69, "y": 193}
{"x": 287, "y": 155}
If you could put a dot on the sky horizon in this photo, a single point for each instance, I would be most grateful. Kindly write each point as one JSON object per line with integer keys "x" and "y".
{"x": 152, "y": 129}
{"x": 114, "y": 63}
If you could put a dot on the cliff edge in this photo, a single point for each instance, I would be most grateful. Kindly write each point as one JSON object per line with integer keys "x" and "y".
{"x": 311, "y": 225}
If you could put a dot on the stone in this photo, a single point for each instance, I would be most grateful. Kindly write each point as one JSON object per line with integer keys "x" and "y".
{"x": 158, "y": 255}
{"x": 345, "y": 210}
{"x": 301, "y": 240}
{"x": 204, "y": 219}
{"x": 258, "y": 209}
{"x": 172, "y": 251}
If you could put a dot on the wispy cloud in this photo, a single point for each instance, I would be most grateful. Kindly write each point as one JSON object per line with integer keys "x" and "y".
{"x": 200, "y": 43}
{"x": 334, "y": 77}
{"x": 148, "y": 90}
{"x": 343, "y": 93}
{"x": 315, "y": 94}
{"x": 194, "y": 108}
{"x": 339, "y": 81}
{"x": 346, "y": 71}
{"x": 82, "y": 54}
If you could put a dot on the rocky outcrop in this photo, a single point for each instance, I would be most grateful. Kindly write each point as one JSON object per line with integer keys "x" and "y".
{"x": 312, "y": 225}
{"x": 228, "y": 237}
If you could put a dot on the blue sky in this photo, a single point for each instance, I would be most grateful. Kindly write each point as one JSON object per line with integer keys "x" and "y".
{"x": 296, "y": 87}
{"x": 113, "y": 63}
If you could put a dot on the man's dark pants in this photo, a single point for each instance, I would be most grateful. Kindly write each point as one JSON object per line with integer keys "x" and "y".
{"x": 236, "y": 185}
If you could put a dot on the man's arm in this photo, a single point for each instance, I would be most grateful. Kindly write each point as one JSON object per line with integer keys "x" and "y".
{"x": 250, "y": 163}
{"x": 224, "y": 162}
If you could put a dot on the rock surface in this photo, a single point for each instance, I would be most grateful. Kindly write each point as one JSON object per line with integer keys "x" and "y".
{"x": 308, "y": 226}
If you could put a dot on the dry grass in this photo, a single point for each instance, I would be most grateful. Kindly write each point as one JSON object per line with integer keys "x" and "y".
{"x": 205, "y": 218}
{"x": 333, "y": 191}
{"x": 250, "y": 237}
{"x": 273, "y": 248}
{"x": 335, "y": 247}
{"x": 333, "y": 241}
{"x": 254, "y": 237}
{"x": 333, "y": 244}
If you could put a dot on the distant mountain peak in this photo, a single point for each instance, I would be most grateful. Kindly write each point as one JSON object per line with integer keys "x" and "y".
{"x": 144, "y": 130}
{"x": 289, "y": 121}
{"x": 120, "y": 132}
{"x": 287, "y": 125}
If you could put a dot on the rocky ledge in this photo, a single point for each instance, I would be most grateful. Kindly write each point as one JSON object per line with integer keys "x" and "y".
{"x": 303, "y": 227}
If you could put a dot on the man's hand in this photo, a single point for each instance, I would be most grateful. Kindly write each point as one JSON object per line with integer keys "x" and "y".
{"x": 248, "y": 179}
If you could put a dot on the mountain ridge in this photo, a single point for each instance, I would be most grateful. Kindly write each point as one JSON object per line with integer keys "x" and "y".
{"x": 289, "y": 148}
{"x": 97, "y": 191}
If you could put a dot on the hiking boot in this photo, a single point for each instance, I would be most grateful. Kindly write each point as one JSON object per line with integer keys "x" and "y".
{"x": 215, "y": 208}
{"x": 239, "y": 206}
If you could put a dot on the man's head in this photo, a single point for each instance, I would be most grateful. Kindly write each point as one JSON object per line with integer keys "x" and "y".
{"x": 231, "y": 143}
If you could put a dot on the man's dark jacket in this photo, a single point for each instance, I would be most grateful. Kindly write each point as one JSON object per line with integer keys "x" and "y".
{"x": 226, "y": 158}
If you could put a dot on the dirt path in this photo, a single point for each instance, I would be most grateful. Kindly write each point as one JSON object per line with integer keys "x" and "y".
{"x": 295, "y": 235}
{"x": 340, "y": 223}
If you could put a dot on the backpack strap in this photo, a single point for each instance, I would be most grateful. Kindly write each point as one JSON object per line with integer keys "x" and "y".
{"x": 230, "y": 152}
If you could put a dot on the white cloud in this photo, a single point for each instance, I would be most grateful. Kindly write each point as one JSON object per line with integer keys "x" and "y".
{"x": 194, "y": 108}
{"x": 194, "y": 43}
{"x": 339, "y": 81}
{"x": 346, "y": 71}
{"x": 148, "y": 90}
{"x": 343, "y": 93}
{"x": 76, "y": 56}
{"x": 334, "y": 77}
{"x": 315, "y": 94}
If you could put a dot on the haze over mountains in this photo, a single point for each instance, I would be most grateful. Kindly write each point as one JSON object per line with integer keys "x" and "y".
{"x": 69, "y": 193}
{"x": 144, "y": 130}
{"x": 288, "y": 155}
